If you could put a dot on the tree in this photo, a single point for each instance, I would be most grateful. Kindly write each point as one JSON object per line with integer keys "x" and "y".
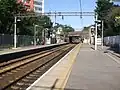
{"x": 26, "y": 25}
{"x": 107, "y": 12}
{"x": 102, "y": 8}
{"x": 8, "y": 8}
{"x": 68, "y": 29}
{"x": 113, "y": 23}
{"x": 65, "y": 28}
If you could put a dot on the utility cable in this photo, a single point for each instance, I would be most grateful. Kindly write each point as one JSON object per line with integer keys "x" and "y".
{"x": 80, "y": 7}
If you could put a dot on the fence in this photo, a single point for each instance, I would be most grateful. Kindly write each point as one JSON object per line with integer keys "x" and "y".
{"x": 23, "y": 40}
{"x": 7, "y": 41}
{"x": 113, "y": 41}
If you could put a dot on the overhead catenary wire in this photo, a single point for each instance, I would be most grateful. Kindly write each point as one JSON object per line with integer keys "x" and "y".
{"x": 80, "y": 7}
{"x": 56, "y": 14}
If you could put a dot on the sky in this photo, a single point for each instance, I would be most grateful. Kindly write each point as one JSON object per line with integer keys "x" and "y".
{"x": 71, "y": 6}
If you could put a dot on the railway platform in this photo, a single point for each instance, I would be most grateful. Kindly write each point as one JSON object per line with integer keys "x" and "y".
{"x": 18, "y": 49}
{"x": 94, "y": 70}
{"x": 26, "y": 48}
{"x": 82, "y": 68}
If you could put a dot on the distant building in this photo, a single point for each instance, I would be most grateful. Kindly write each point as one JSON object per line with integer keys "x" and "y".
{"x": 36, "y": 6}
{"x": 39, "y": 6}
{"x": 29, "y": 4}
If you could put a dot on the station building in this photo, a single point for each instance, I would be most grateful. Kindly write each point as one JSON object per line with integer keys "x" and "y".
{"x": 36, "y": 6}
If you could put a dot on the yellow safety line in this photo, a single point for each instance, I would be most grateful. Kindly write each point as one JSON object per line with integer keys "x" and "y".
{"x": 70, "y": 69}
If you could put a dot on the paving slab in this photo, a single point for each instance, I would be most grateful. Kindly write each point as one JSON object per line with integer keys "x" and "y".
{"x": 109, "y": 50}
{"x": 94, "y": 70}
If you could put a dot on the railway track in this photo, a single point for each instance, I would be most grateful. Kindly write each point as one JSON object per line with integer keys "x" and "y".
{"x": 7, "y": 66}
{"x": 20, "y": 73}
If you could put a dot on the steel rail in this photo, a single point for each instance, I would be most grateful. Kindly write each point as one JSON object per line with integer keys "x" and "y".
{"x": 32, "y": 65}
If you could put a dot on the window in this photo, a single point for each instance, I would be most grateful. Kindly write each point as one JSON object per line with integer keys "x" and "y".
{"x": 38, "y": 3}
{"x": 38, "y": 9}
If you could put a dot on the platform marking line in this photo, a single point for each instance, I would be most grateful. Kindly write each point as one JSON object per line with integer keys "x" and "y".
{"x": 117, "y": 61}
{"x": 32, "y": 85}
{"x": 70, "y": 69}
{"x": 66, "y": 80}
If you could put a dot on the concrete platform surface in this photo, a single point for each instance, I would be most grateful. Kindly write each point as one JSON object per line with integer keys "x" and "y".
{"x": 19, "y": 49}
{"x": 94, "y": 70}
{"x": 55, "y": 78}
{"x": 109, "y": 49}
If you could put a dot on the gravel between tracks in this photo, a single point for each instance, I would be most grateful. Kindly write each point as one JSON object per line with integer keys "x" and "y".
{"x": 9, "y": 79}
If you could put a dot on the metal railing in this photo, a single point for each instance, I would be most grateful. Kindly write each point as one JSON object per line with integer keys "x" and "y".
{"x": 7, "y": 41}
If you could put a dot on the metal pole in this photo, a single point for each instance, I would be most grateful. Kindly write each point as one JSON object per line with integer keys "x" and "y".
{"x": 55, "y": 17}
{"x": 15, "y": 37}
{"x": 34, "y": 35}
{"x": 96, "y": 17}
{"x": 102, "y": 32}
{"x": 44, "y": 37}
{"x": 89, "y": 36}
{"x": 55, "y": 30}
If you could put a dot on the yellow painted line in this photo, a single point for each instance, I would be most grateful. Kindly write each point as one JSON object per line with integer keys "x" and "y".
{"x": 62, "y": 67}
{"x": 67, "y": 77}
{"x": 72, "y": 57}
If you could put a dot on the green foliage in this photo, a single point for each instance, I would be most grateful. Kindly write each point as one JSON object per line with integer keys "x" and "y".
{"x": 65, "y": 28}
{"x": 26, "y": 25}
{"x": 113, "y": 23}
{"x": 8, "y": 8}
{"x": 68, "y": 29}
{"x": 102, "y": 8}
{"x": 108, "y": 12}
